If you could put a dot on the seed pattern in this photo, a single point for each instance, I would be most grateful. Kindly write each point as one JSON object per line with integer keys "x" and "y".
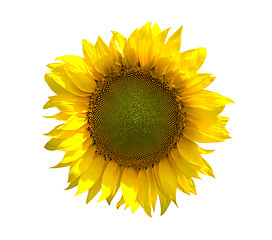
{"x": 135, "y": 118}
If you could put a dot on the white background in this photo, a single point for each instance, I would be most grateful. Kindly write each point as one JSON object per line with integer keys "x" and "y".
{"x": 235, "y": 205}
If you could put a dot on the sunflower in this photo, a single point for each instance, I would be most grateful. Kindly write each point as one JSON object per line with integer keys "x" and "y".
{"x": 132, "y": 113}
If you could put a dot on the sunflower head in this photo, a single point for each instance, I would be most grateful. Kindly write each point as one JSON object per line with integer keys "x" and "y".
{"x": 132, "y": 113}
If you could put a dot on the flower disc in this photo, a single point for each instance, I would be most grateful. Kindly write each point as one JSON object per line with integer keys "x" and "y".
{"x": 135, "y": 118}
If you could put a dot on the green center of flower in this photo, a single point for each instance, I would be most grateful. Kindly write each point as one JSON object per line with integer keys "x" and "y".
{"x": 135, "y": 118}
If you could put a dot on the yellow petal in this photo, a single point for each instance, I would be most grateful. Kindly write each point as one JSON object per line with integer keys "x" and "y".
{"x": 74, "y": 171}
{"x": 155, "y": 30}
{"x": 160, "y": 62}
{"x": 60, "y": 76}
{"x": 120, "y": 203}
{"x": 60, "y": 116}
{"x": 115, "y": 190}
{"x": 91, "y": 176}
{"x": 189, "y": 151}
{"x": 69, "y": 103}
{"x": 172, "y": 46}
{"x": 200, "y": 113}
{"x": 190, "y": 61}
{"x": 164, "y": 201}
{"x": 134, "y": 207}
{"x": 216, "y": 133}
{"x": 94, "y": 190}
{"x": 152, "y": 187}
{"x": 129, "y": 185}
{"x": 49, "y": 104}
{"x": 88, "y": 51}
{"x": 207, "y": 170}
{"x": 161, "y": 66}
{"x": 55, "y": 87}
{"x": 206, "y": 99}
{"x": 186, "y": 184}
{"x": 109, "y": 180}
{"x": 66, "y": 144}
{"x": 200, "y": 81}
{"x": 120, "y": 40}
{"x": 168, "y": 178}
{"x": 116, "y": 47}
{"x": 78, "y": 72}
{"x": 143, "y": 191}
{"x": 74, "y": 122}
{"x": 202, "y": 123}
{"x": 74, "y": 155}
{"x": 183, "y": 165}
{"x": 204, "y": 151}
{"x": 73, "y": 184}
{"x": 60, "y": 165}
{"x": 56, "y": 132}
{"x": 81, "y": 165}
{"x": 202, "y": 118}
{"x": 103, "y": 62}
{"x": 130, "y": 54}
{"x": 145, "y": 46}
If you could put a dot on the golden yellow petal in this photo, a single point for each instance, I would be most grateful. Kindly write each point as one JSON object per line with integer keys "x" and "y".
{"x": 118, "y": 41}
{"x": 78, "y": 167}
{"x": 115, "y": 190}
{"x": 88, "y": 52}
{"x": 153, "y": 192}
{"x": 129, "y": 186}
{"x": 188, "y": 149}
{"x": 78, "y": 71}
{"x": 48, "y": 104}
{"x": 69, "y": 103}
{"x": 167, "y": 178}
{"x": 183, "y": 165}
{"x": 60, "y": 165}
{"x": 143, "y": 191}
{"x": 109, "y": 180}
{"x": 73, "y": 184}
{"x": 103, "y": 61}
{"x": 164, "y": 201}
{"x": 204, "y": 151}
{"x": 172, "y": 46}
{"x": 200, "y": 81}
{"x": 94, "y": 190}
{"x": 200, "y": 113}
{"x": 155, "y": 30}
{"x": 74, "y": 155}
{"x": 55, "y": 132}
{"x": 134, "y": 207}
{"x": 190, "y": 61}
{"x": 59, "y": 75}
{"x": 205, "y": 99}
{"x": 207, "y": 170}
{"x": 55, "y": 87}
{"x": 91, "y": 176}
{"x": 216, "y": 133}
{"x": 130, "y": 50}
{"x": 186, "y": 184}
{"x": 75, "y": 122}
{"x": 60, "y": 116}
{"x": 120, "y": 203}
{"x": 66, "y": 144}
{"x": 145, "y": 46}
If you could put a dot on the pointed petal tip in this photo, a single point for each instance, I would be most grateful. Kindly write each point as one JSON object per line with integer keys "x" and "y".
{"x": 77, "y": 193}
{"x": 180, "y": 28}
